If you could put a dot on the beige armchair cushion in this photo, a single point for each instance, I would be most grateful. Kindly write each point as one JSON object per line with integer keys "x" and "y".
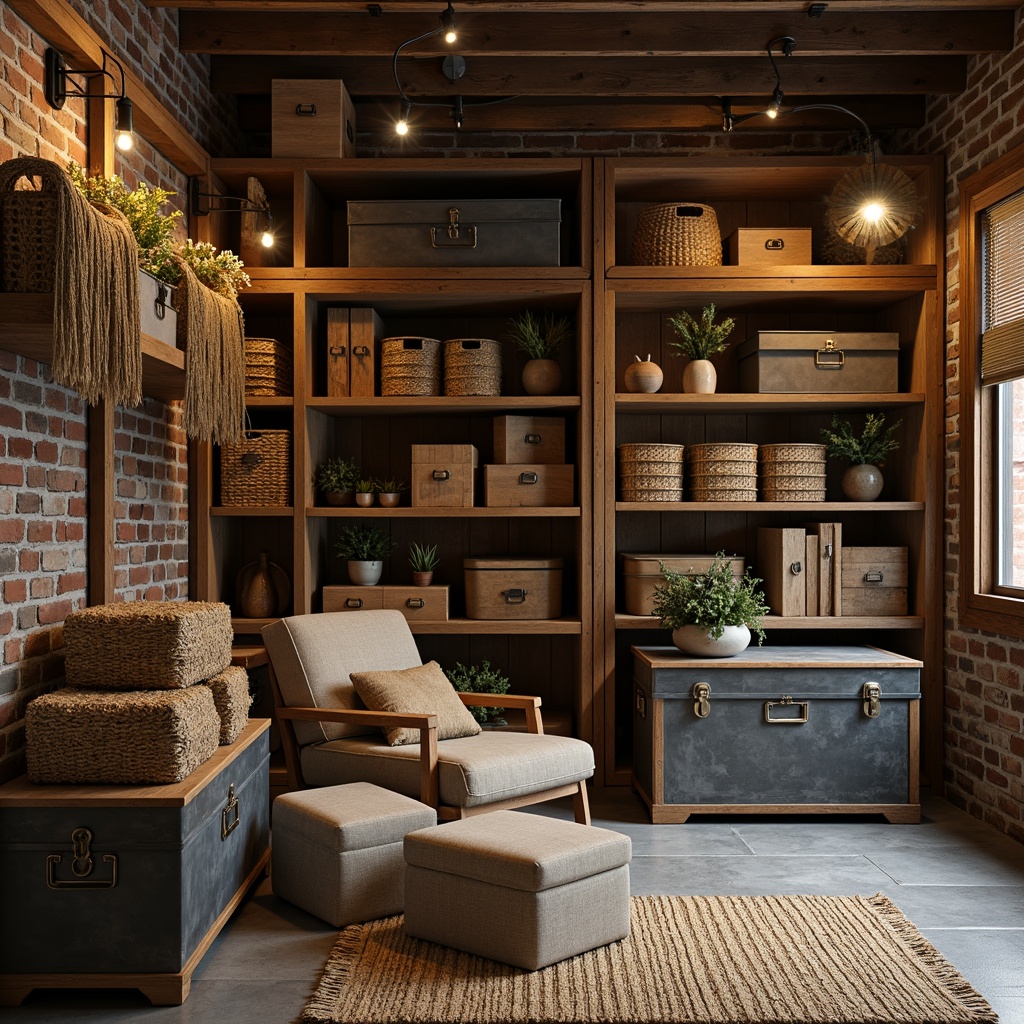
{"x": 424, "y": 689}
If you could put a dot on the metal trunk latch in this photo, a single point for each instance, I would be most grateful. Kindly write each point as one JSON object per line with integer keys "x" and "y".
{"x": 229, "y": 811}
{"x": 872, "y": 694}
{"x": 81, "y": 865}
{"x": 786, "y": 701}
{"x": 829, "y": 357}
{"x": 453, "y": 233}
{"x": 702, "y": 699}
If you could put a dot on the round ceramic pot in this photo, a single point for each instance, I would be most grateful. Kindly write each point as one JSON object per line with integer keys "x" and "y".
{"x": 541, "y": 377}
{"x": 389, "y": 499}
{"x": 700, "y": 377}
{"x": 862, "y": 482}
{"x": 365, "y": 574}
{"x": 422, "y": 579}
{"x": 338, "y": 498}
{"x": 695, "y": 640}
{"x": 365, "y": 498}
{"x": 643, "y": 377}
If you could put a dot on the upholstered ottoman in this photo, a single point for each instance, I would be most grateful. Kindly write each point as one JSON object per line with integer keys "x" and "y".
{"x": 519, "y": 888}
{"x": 337, "y": 851}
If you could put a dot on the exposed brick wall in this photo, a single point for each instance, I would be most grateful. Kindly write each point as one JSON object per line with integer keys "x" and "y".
{"x": 984, "y": 769}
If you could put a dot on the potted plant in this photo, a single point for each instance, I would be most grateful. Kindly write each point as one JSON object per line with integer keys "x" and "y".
{"x": 389, "y": 492}
{"x": 424, "y": 561}
{"x": 366, "y": 490}
{"x": 699, "y": 340}
{"x": 711, "y": 613}
{"x": 862, "y": 480}
{"x": 540, "y": 338}
{"x": 364, "y": 547}
{"x": 336, "y": 478}
{"x": 480, "y": 678}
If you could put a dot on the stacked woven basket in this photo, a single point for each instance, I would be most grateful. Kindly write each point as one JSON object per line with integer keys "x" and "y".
{"x": 472, "y": 366}
{"x": 651, "y": 472}
{"x": 268, "y": 367}
{"x": 792, "y": 472}
{"x": 151, "y": 693}
{"x": 410, "y": 366}
{"x": 722, "y": 472}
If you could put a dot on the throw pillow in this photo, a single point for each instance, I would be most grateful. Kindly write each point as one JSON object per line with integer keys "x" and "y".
{"x": 423, "y": 689}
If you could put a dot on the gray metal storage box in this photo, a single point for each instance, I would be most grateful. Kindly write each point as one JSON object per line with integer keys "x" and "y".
{"x": 819, "y": 362}
{"x": 454, "y": 233}
{"x": 776, "y": 730}
{"x": 129, "y": 881}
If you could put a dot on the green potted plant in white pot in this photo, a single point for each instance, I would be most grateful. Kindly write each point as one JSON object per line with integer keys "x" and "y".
{"x": 863, "y": 479}
{"x": 699, "y": 340}
{"x": 364, "y": 547}
{"x": 711, "y": 613}
{"x": 540, "y": 338}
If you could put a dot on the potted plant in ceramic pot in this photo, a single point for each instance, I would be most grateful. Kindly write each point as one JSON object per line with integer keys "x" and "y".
{"x": 480, "y": 678}
{"x": 424, "y": 561}
{"x": 711, "y": 613}
{"x": 389, "y": 492}
{"x": 364, "y": 547}
{"x": 336, "y": 479}
{"x": 699, "y": 340}
{"x": 540, "y": 338}
{"x": 366, "y": 491}
{"x": 862, "y": 480}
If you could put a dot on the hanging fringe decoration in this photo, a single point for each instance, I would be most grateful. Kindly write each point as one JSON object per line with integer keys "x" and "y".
{"x": 213, "y": 332}
{"x": 90, "y": 261}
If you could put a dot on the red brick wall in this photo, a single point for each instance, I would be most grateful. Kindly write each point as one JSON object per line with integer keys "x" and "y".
{"x": 984, "y": 769}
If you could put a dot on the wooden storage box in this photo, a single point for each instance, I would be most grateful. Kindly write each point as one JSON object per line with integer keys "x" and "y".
{"x": 454, "y": 233}
{"x": 819, "y": 362}
{"x": 312, "y": 117}
{"x": 443, "y": 475}
{"x": 776, "y": 730}
{"x": 642, "y": 573}
{"x": 167, "y": 865}
{"x": 528, "y": 485}
{"x": 534, "y": 440}
{"x": 513, "y": 588}
{"x": 782, "y": 564}
{"x": 874, "y": 581}
{"x": 417, "y": 604}
{"x": 769, "y": 247}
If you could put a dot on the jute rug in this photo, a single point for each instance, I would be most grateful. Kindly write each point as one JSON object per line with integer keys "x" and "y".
{"x": 708, "y": 959}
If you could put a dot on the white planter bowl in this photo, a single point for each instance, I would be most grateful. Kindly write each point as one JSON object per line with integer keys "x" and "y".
{"x": 365, "y": 574}
{"x": 695, "y": 640}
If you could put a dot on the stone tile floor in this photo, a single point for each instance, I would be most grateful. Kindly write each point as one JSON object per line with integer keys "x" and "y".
{"x": 959, "y": 881}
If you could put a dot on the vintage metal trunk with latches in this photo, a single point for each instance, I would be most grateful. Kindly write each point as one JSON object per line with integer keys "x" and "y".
{"x": 777, "y": 730}
{"x": 127, "y": 886}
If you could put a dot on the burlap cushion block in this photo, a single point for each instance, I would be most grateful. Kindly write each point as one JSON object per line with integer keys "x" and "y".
{"x": 81, "y": 736}
{"x": 232, "y": 699}
{"x": 147, "y": 645}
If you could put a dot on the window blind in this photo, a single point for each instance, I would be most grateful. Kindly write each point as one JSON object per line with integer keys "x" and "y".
{"x": 1002, "y": 337}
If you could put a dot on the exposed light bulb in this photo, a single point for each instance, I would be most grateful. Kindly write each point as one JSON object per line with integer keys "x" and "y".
{"x": 448, "y": 24}
{"x": 267, "y": 240}
{"x": 402, "y": 125}
{"x": 775, "y": 107}
{"x": 772, "y": 113}
{"x": 872, "y": 212}
{"x": 124, "y": 139}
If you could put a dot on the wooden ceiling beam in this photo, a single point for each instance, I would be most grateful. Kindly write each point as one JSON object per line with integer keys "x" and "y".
{"x": 605, "y": 76}
{"x": 312, "y": 33}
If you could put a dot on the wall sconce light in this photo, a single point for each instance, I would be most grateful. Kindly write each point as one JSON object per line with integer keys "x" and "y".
{"x": 447, "y": 29}
{"x": 246, "y": 205}
{"x": 58, "y": 86}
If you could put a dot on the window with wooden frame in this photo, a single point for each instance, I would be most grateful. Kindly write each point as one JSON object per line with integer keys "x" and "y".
{"x": 992, "y": 397}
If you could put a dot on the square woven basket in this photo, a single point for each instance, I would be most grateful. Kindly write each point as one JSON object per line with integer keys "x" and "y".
{"x": 257, "y": 472}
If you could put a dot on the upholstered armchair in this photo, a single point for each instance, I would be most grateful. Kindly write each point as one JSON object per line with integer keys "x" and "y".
{"x": 329, "y": 736}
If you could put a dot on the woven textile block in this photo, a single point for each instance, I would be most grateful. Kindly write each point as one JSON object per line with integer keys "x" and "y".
{"x": 147, "y": 645}
{"x": 232, "y": 699}
{"x": 81, "y": 736}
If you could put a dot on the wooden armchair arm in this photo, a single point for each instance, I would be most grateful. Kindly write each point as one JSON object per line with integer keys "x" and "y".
{"x": 531, "y": 705}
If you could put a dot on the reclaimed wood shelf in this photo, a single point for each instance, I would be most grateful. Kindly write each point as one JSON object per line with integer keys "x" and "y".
{"x": 750, "y": 404}
{"x": 455, "y": 405}
{"x": 443, "y": 512}
{"x": 624, "y": 621}
{"x": 461, "y": 627}
{"x": 814, "y": 508}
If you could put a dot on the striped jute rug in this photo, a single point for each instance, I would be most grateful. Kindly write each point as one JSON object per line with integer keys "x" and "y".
{"x": 708, "y": 959}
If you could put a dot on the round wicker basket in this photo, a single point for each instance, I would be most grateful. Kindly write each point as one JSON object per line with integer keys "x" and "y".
{"x": 650, "y": 453}
{"x": 738, "y": 452}
{"x": 410, "y": 366}
{"x": 472, "y": 366}
{"x": 677, "y": 234}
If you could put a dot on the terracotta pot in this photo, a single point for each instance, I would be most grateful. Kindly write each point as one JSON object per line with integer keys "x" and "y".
{"x": 389, "y": 499}
{"x": 862, "y": 482}
{"x": 542, "y": 377}
{"x": 422, "y": 579}
{"x": 644, "y": 377}
{"x": 695, "y": 640}
{"x": 338, "y": 498}
{"x": 365, "y": 498}
{"x": 700, "y": 377}
{"x": 365, "y": 574}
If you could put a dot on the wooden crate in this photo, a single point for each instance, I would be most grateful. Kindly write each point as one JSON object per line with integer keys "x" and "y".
{"x": 528, "y": 485}
{"x": 874, "y": 581}
{"x": 417, "y": 604}
{"x": 536, "y": 440}
{"x": 513, "y": 588}
{"x": 769, "y": 247}
{"x": 443, "y": 475}
{"x": 311, "y": 118}
{"x": 642, "y": 573}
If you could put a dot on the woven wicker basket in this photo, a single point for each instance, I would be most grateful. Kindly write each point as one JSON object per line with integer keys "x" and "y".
{"x": 232, "y": 700}
{"x": 268, "y": 367}
{"x": 410, "y": 366}
{"x": 792, "y": 472}
{"x": 677, "y": 235}
{"x": 722, "y": 489}
{"x": 643, "y": 453}
{"x": 745, "y": 453}
{"x": 651, "y": 489}
{"x": 81, "y": 736}
{"x": 651, "y": 472}
{"x": 472, "y": 366}
{"x": 28, "y": 227}
{"x": 257, "y": 471}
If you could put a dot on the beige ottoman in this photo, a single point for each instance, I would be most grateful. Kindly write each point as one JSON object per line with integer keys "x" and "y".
{"x": 519, "y": 888}
{"x": 337, "y": 851}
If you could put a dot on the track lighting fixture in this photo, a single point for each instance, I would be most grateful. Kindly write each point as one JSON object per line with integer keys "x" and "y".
{"x": 58, "y": 85}
{"x": 196, "y": 209}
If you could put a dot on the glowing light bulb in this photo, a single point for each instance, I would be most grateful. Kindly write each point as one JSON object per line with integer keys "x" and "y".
{"x": 873, "y": 211}
{"x": 772, "y": 113}
{"x": 267, "y": 240}
{"x": 402, "y": 127}
{"x": 124, "y": 141}
{"x": 450, "y": 36}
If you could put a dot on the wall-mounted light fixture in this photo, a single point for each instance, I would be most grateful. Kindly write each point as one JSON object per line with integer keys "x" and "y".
{"x": 58, "y": 85}
{"x": 447, "y": 28}
{"x": 246, "y": 205}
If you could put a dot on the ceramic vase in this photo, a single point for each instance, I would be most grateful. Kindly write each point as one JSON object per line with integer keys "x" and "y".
{"x": 643, "y": 377}
{"x": 541, "y": 377}
{"x": 700, "y": 377}
{"x": 258, "y": 599}
{"x": 695, "y": 640}
{"x": 365, "y": 574}
{"x": 862, "y": 482}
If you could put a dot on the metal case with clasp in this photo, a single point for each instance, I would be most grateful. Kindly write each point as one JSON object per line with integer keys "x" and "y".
{"x": 776, "y": 730}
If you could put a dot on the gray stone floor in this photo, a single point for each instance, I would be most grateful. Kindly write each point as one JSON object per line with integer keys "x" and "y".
{"x": 959, "y": 881}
